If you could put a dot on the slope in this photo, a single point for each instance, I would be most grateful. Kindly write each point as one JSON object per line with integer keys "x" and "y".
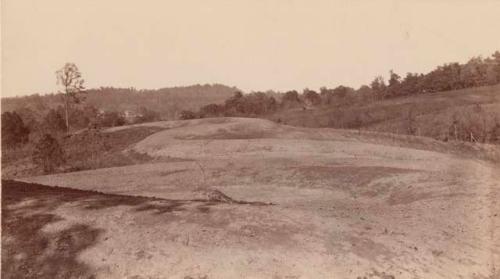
{"x": 335, "y": 203}
{"x": 430, "y": 115}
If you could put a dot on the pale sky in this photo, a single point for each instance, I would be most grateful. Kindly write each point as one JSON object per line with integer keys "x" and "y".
{"x": 251, "y": 44}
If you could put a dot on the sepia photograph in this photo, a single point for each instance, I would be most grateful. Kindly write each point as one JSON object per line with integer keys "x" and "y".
{"x": 280, "y": 139}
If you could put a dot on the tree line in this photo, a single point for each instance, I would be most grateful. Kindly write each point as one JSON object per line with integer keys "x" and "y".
{"x": 451, "y": 76}
{"x": 71, "y": 109}
{"x": 44, "y": 133}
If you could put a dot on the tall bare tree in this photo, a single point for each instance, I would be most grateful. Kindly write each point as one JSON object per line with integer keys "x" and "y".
{"x": 70, "y": 78}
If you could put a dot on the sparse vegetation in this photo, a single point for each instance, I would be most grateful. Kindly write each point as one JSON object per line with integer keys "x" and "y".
{"x": 48, "y": 154}
{"x": 95, "y": 149}
{"x": 90, "y": 149}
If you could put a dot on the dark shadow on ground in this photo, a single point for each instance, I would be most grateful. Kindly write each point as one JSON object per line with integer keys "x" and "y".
{"x": 29, "y": 252}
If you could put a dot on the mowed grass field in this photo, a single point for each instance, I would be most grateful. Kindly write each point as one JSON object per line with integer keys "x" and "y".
{"x": 431, "y": 114}
{"x": 249, "y": 198}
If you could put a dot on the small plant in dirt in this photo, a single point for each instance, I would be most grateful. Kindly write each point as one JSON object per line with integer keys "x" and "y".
{"x": 48, "y": 154}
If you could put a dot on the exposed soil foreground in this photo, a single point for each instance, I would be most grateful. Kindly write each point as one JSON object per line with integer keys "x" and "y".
{"x": 247, "y": 198}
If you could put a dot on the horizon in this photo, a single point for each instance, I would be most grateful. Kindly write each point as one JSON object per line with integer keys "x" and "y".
{"x": 251, "y": 46}
{"x": 131, "y": 88}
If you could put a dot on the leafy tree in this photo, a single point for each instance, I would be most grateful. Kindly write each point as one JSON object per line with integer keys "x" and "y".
{"x": 290, "y": 99}
{"x": 233, "y": 105}
{"x": 493, "y": 68}
{"x": 54, "y": 121}
{"x": 364, "y": 93}
{"x": 211, "y": 110}
{"x": 71, "y": 79}
{"x": 30, "y": 118}
{"x": 311, "y": 97}
{"x": 378, "y": 86}
{"x": 48, "y": 154}
{"x": 253, "y": 104}
{"x": 90, "y": 117}
{"x": 445, "y": 77}
{"x": 234, "y": 99}
{"x": 147, "y": 115}
{"x": 410, "y": 84}
{"x": 112, "y": 119}
{"x": 342, "y": 91}
{"x": 343, "y": 95}
{"x": 291, "y": 96}
{"x": 81, "y": 117}
{"x": 496, "y": 64}
{"x": 326, "y": 95}
{"x": 474, "y": 73}
{"x": 364, "y": 90}
{"x": 186, "y": 114}
{"x": 271, "y": 104}
{"x": 14, "y": 132}
{"x": 394, "y": 83}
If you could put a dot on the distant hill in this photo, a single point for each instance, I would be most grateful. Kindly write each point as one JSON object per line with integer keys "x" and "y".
{"x": 473, "y": 110}
{"x": 165, "y": 101}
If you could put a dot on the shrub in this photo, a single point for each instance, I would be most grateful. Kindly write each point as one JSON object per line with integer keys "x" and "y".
{"x": 14, "y": 132}
{"x": 311, "y": 97}
{"x": 211, "y": 110}
{"x": 54, "y": 121}
{"x": 48, "y": 154}
{"x": 112, "y": 119}
{"x": 290, "y": 99}
{"x": 147, "y": 115}
{"x": 474, "y": 124}
{"x": 187, "y": 114}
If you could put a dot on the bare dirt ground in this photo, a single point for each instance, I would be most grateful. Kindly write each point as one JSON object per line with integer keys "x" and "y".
{"x": 247, "y": 198}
